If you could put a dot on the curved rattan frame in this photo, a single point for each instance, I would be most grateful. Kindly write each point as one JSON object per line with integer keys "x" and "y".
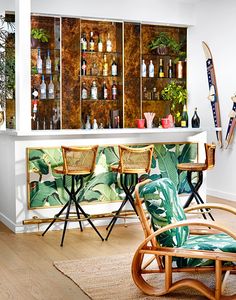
{"x": 150, "y": 247}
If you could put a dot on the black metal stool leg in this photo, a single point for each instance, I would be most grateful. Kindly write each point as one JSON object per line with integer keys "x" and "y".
{"x": 55, "y": 217}
{"x": 65, "y": 222}
{"x": 117, "y": 212}
{"x": 128, "y": 189}
{"x": 114, "y": 219}
{"x": 195, "y": 194}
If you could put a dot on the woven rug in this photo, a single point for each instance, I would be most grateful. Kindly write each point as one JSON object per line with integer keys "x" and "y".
{"x": 109, "y": 278}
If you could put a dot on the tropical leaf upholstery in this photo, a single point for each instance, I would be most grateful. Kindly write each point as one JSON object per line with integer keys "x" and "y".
{"x": 162, "y": 203}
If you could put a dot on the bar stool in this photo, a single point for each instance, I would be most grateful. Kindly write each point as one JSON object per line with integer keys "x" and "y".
{"x": 199, "y": 168}
{"x": 133, "y": 161}
{"x": 78, "y": 162}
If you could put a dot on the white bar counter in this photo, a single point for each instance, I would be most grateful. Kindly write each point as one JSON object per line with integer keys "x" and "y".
{"x": 13, "y": 163}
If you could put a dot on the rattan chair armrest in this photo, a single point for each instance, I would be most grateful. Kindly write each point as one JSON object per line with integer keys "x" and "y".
{"x": 202, "y": 223}
{"x": 220, "y": 206}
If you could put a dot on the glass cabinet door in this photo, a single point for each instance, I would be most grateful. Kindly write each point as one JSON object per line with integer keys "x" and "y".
{"x": 45, "y": 72}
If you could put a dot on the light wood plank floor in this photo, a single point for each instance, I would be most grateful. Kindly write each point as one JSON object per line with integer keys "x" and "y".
{"x": 26, "y": 260}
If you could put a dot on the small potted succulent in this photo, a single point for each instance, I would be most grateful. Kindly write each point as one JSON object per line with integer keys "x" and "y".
{"x": 177, "y": 95}
{"x": 39, "y": 35}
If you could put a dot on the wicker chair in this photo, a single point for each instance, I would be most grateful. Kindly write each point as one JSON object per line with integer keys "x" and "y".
{"x": 199, "y": 168}
{"x": 168, "y": 246}
{"x": 133, "y": 161}
{"x": 78, "y": 162}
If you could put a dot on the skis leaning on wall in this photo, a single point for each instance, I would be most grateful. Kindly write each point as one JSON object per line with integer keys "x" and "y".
{"x": 232, "y": 123}
{"x": 213, "y": 94}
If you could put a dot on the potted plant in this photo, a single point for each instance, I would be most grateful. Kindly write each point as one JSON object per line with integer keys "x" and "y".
{"x": 39, "y": 35}
{"x": 164, "y": 42}
{"x": 177, "y": 95}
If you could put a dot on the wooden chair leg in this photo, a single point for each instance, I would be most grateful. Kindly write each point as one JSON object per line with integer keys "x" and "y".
{"x": 168, "y": 272}
{"x": 218, "y": 279}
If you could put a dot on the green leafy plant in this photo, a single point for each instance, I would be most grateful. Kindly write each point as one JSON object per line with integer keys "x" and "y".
{"x": 40, "y": 34}
{"x": 177, "y": 94}
{"x": 7, "y": 60}
{"x": 163, "y": 40}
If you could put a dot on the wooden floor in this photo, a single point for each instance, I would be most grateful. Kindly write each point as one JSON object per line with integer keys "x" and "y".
{"x": 26, "y": 260}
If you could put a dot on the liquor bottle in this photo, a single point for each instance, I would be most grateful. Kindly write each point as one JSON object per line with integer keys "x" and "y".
{"x": 43, "y": 94}
{"x": 35, "y": 113}
{"x": 105, "y": 66}
{"x": 109, "y": 44}
{"x": 35, "y": 93}
{"x": 154, "y": 94}
{"x": 161, "y": 69}
{"x": 143, "y": 69}
{"x": 94, "y": 70}
{"x": 83, "y": 65}
{"x": 146, "y": 94}
{"x": 114, "y": 71}
{"x": 83, "y": 43}
{"x": 84, "y": 92}
{"x": 114, "y": 91}
{"x": 151, "y": 69}
{"x": 51, "y": 94}
{"x": 100, "y": 45}
{"x": 170, "y": 69}
{"x": 91, "y": 42}
{"x": 94, "y": 91}
{"x": 104, "y": 91}
{"x": 195, "y": 120}
{"x": 48, "y": 63}
{"x": 39, "y": 63}
{"x": 184, "y": 117}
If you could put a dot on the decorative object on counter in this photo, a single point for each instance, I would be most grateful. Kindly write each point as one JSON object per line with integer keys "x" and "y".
{"x": 213, "y": 93}
{"x": 95, "y": 124}
{"x": 39, "y": 35}
{"x": 195, "y": 122}
{"x": 87, "y": 124}
{"x": 113, "y": 117}
{"x": 149, "y": 116}
{"x": 140, "y": 123}
{"x": 232, "y": 123}
{"x": 165, "y": 123}
{"x": 184, "y": 117}
{"x": 101, "y": 126}
{"x": 177, "y": 95}
{"x": 171, "y": 120}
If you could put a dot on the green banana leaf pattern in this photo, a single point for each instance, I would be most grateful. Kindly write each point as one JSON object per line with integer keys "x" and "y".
{"x": 46, "y": 187}
{"x": 162, "y": 203}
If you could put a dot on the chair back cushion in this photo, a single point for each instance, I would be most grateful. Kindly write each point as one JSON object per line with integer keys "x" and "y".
{"x": 135, "y": 160}
{"x": 79, "y": 160}
{"x": 161, "y": 200}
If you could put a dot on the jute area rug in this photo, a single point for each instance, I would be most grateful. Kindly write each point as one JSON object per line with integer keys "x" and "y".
{"x": 109, "y": 278}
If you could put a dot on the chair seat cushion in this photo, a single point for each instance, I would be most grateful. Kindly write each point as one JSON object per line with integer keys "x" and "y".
{"x": 192, "y": 167}
{"x": 213, "y": 242}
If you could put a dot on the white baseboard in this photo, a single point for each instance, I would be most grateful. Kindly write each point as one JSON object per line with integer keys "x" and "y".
{"x": 6, "y": 221}
{"x": 20, "y": 228}
{"x": 221, "y": 194}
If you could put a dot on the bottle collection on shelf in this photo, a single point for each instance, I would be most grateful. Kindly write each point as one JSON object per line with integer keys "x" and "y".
{"x": 94, "y": 95}
{"x": 94, "y": 70}
{"x": 92, "y": 45}
{"x": 47, "y": 88}
{"x": 150, "y": 72}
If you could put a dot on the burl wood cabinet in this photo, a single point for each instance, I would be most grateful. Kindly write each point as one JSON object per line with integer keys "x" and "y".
{"x": 91, "y": 70}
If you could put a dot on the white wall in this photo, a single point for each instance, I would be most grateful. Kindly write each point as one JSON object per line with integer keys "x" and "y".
{"x": 161, "y": 11}
{"x": 215, "y": 24}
